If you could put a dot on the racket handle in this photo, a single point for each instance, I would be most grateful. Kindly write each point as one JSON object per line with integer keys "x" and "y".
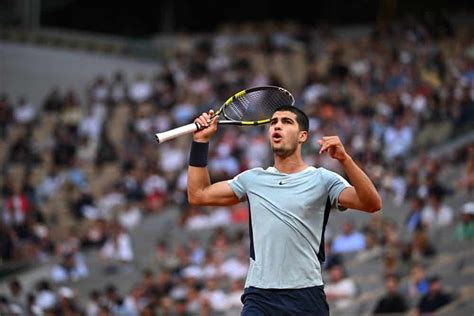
{"x": 176, "y": 132}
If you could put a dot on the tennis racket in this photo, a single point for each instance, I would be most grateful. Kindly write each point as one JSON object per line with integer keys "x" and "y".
{"x": 249, "y": 107}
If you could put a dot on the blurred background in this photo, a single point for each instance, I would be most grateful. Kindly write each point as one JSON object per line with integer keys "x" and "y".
{"x": 94, "y": 218}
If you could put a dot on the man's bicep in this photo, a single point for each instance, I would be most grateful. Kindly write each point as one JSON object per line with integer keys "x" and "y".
{"x": 220, "y": 193}
{"x": 348, "y": 198}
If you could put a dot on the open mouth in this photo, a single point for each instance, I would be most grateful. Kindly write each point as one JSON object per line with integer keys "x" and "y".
{"x": 276, "y": 137}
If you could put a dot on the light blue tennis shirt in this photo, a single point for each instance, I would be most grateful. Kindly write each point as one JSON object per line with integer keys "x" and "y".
{"x": 288, "y": 216}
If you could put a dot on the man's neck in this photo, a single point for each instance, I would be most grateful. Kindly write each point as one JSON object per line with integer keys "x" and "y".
{"x": 290, "y": 164}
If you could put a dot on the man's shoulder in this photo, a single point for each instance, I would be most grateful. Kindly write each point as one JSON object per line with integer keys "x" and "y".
{"x": 324, "y": 170}
{"x": 253, "y": 171}
{"x": 247, "y": 174}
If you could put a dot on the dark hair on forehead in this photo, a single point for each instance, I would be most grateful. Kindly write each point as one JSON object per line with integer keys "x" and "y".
{"x": 301, "y": 117}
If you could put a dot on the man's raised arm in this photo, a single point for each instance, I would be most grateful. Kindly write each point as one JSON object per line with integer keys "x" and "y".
{"x": 200, "y": 189}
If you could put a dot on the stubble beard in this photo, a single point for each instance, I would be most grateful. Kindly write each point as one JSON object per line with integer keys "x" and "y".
{"x": 284, "y": 151}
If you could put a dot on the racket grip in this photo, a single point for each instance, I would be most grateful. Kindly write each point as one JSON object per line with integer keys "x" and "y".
{"x": 176, "y": 132}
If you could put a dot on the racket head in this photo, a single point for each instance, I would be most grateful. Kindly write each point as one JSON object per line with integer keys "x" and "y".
{"x": 255, "y": 106}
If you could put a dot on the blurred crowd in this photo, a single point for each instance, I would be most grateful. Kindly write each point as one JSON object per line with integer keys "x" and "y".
{"x": 80, "y": 175}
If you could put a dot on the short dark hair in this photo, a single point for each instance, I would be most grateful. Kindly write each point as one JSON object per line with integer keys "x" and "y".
{"x": 433, "y": 279}
{"x": 392, "y": 276}
{"x": 301, "y": 117}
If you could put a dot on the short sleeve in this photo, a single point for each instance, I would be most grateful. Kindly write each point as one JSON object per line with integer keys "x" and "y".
{"x": 335, "y": 184}
{"x": 240, "y": 183}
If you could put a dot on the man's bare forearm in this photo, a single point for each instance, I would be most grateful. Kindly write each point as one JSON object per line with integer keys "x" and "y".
{"x": 362, "y": 184}
{"x": 198, "y": 180}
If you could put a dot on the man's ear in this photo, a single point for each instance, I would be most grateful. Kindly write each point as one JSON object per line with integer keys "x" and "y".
{"x": 302, "y": 137}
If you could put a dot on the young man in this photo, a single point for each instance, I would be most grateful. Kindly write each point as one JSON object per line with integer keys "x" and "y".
{"x": 289, "y": 206}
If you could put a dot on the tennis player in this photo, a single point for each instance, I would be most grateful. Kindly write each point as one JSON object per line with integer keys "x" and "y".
{"x": 289, "y": 206}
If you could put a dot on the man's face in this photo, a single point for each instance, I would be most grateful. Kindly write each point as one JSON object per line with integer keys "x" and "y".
{"x": 284, "y": 133}
{"x": 347, "y": 228}
{"x": 391, "y": 285}
{"x": 435, "y": 286}
{"x": 336, "y": 274}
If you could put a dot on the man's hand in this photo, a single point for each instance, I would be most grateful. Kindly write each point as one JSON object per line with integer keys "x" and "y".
{"x": 333, "y": 145}
{"x": 209, "y": 127}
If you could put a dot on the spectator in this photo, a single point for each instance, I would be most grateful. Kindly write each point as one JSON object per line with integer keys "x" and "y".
{"x": 412, "y": 184}
{"x": 99, "y": 91}
{"x": 6, "y": 115}
{"x": 193, "y": 301}
{"x": 398, "y": 139}
{"x": 45, "y": 298}
{"x": 140, "y": 90}
{"x": 436, "y": 214}
{"x": 215, "y": 296}
{"x": 163, "y": 258}
{"x": 421, "y": 246}
{"x": 341, "y": 290}
{"x": 466, "y": 182}
{"x": 64, "y": 149}
{"x": 17, "y": 297}
{"x": 93, "y": 303}
{"x": 21, "y": 150}
{"x": 16, "y": 211}
{"x": 213, "y": 265}
{"x": 83, "y": 206}
{"x": 24, "y": 112}
{"x": 417, "y": 285}
{"x": 75, "y": 175}
{"x": 372, "y": 249}
{"x": 111, "y": 201}
{"x": 195, "y": 218}
{"x": 53, "y": 101}
{"x": 96, "y": 234}
{"x": 135, "y": 301}
{"x": 164, "y": 283}
{"x": 154, "y": 187}
{"x": 130, "y": 215}
{"x": 90, "y": 127}
{"x": 197, "y": 252}
{"x": 147, "y": 286}
{"x": 392, "y": 263}
{"x": 111, "y": 297}
{"x": 8, "y": 308}
{"x": 332, "y": 258}
{"x": 413, "y": 220}
{"x": 118, "y": 89}
{"x": 71, "y": 268}
{"x": 434, "y": 299}
{"x": 464, "y": 230}
{"x": 236, "y": 268}
{"x": 51, "y": 182}
{"x": 71, "y": 115}
{"x": 393, "y": 301}
{"x": 8, "y": 244}
{"x": 234, "y": 302}
{"x": 466, "y": 108}
{"x": 66, "y": 304}
{"x": 106, "y": 151}
{"x": 117, "y": 248}
{"x": 349, "y": 241}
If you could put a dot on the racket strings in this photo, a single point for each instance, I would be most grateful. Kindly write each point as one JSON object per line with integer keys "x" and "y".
{"x": 257, "y": 105}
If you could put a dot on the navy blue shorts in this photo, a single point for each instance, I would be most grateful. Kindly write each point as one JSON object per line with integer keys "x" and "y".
{"x": 275, "y": 302}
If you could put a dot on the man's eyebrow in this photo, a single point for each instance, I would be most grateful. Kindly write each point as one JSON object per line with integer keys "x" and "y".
{"x": 288, "y": 119}
{"x": 282, "y": 118}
